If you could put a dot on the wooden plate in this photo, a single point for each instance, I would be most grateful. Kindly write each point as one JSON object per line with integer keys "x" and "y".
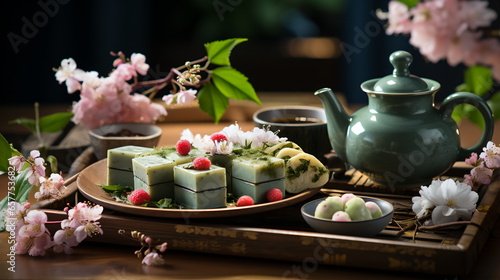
{"x": 90, "y": 178}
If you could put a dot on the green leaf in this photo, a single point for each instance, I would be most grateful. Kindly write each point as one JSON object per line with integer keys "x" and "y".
{"x": 6, "y": 152}
{"x": 234, "y": 84}
{"x": 114, "y": 188}
{"x": 52, "y": 160}
{"x": 212, "y": 101}
{"x": 463, "y": 87}
{"x": 475, "y": 116}
{"x": 410, "y": 3}
{"x": 54, "y": 122}
{"x": 469, "y": 112}
{"x": 218, "y": 51}
{"x": 494, "y": 103}
{"x": 458, "y": 113}
{"x": 28, "y": 123}
{"x": 23, "y": 187}
{"x": 478, "y": 79}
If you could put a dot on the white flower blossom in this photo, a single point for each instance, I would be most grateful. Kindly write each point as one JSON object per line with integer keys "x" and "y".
{"x": 448, "y": 200}
{"x": 224, "y": 147}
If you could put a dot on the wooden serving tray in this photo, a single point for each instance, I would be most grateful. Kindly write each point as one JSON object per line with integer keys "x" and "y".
{"x": 282, "y": 234}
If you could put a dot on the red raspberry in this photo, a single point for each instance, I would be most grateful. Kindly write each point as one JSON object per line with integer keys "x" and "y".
{"x": 183, "y": 147}
{"x": 139, "y": 197}
{"x": 218, "y": 137}
{"x": 201, "y": 163}
{"x": 274, "y": 194}
{"x": 245, "y": 200}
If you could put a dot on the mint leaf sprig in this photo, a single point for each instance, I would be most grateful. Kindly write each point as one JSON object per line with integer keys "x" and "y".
{"x": 120, "y": 194}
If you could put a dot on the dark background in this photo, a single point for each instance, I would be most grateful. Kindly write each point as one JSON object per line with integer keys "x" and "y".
{"x": 37, "y": 35}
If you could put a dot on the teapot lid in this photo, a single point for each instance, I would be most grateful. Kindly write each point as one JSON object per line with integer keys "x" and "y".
{"x": 400, "y": 81}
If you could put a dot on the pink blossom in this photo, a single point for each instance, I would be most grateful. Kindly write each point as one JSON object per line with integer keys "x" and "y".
{"x": 169, "y": 99}
{"x": 447, "y": 29}
{"x": 182, "y": 97}
{"x": 17, "y": 162}
{"x": 117, "y": 62}
{"x": 51, "y": 187}
{"x": 139, "y": 62}
{"x": 460, "y": 46}
{"x": 472, "y": 160}
{"x": 65, "y": 234}
{"x": 153, "y": 259}
{"x": 398, "y": 17}
{"x": 139, "y": 108}
{"x": 70, "y": 74}
{"x": 17, "y": 212}
{"x": 124, "y": 72}
{"x": 476, "y": 14}
{"x": 469, "y": 180}
{"x": 36, "y": 169}
{"x": 34, "y": 246}
{"x": 91, "y": 79}
{"x": 186, "y": 96}
{"x": 34, "y": 224}
{"x": 491, "y": 155}
{"x": 84, "y": 220}
{"x": 481, "y": 174}
{"x": 163, "y": 247}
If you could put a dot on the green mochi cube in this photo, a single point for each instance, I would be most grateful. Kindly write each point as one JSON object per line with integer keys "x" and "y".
{"x": 214, "y": 198}
{"x": 121, "y": 157}
{"x": 256, "y": 191}
{"x": 120, "y": 177}
{"x": 157, "y": 191}
{"x": 199, "y": 180}
{"x": 225, "y": 161}
{"x": 259, "y": 169}
{"x": 153, "y": 169}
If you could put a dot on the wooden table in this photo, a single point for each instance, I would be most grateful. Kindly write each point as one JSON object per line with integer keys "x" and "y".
{"x": 105, "y": 261}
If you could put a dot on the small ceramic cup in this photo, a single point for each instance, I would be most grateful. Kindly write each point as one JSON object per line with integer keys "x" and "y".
{"x": 149, "y": 136}
{"x": 303, "y": 125}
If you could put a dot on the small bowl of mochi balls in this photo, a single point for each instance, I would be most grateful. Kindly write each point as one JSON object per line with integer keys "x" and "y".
{"x": 348, "y": 215}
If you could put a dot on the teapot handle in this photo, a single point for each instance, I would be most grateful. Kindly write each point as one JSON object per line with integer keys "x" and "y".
{"x": 466, "y": 97}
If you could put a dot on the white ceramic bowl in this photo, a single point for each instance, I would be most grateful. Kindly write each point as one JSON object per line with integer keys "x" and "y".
{"x": 101, "y": 143}
{"x": 366, "y": 228}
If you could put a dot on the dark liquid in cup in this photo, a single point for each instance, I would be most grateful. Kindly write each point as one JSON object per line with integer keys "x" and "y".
{"x": 297, "y": 120}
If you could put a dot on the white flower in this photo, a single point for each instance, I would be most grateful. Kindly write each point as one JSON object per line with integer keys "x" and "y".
{"x": 70, "y": 74}
{"x": 92, "y": 79}
{"x": 224, "y": 147}
{"x": 153, "y": 259}
{"x": 204, "y": 144}
{"x": 491, "y": 155}
{"x": 186, "y": 134}
{"x": 234, "y": 134}
{"x": 262, "y": 137}
{"x": 448, "y": 200}
{"x": 139, "y": 62}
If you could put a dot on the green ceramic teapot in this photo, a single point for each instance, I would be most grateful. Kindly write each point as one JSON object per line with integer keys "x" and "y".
{"x": 400, "y": 139}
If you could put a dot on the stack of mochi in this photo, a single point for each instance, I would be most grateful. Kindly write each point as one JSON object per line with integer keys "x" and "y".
{"x": 171, "y": 172}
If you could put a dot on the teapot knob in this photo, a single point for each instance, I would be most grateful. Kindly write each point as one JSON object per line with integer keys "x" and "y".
{"x": 401, "y": 60}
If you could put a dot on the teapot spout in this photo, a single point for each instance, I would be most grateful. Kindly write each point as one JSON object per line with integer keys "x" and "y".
{"x": 338, "y": 121}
